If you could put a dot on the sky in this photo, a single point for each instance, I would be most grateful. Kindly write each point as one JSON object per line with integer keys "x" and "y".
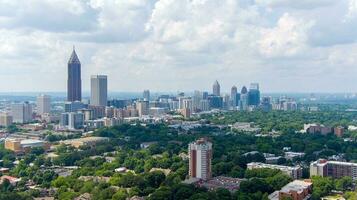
{"x": 180, "y": 45}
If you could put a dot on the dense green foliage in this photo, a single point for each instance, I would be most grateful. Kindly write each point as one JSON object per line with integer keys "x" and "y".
{"x": 229, "y": 159}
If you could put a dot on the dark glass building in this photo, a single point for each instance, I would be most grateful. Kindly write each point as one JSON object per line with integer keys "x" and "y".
{"x": 74, "y": 81}
{"x": 215, "y": 101}
{"x": 254, "y": 95}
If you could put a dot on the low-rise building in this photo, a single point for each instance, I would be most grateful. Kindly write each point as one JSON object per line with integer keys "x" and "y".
{"x": 294, "y": 172}
{"x": 334, "y": 169}
{"x": 296, "y": 190}
{"x": 24, "y": 145}
{"x": 245, "y": 127}
{"x": 289, "y": 155}
{"x": 11, "y": 179}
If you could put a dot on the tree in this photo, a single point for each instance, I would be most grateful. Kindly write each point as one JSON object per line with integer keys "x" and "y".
{"x": 344, "y": 183}
{"x": 120, "y": 195}
{"x": 154, "y": 179}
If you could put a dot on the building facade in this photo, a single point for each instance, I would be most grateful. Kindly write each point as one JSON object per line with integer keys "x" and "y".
{"x": 99, "y": 90}
{"x": 21, "y": 112}
{"x": 216, "y": 89}
{"x": 243, "y": 103}
{"x": 234, "y": 94}
{"x": 254, "y": 95}
{"x": 43, "y": 104}
{"x": 334, "y": 169}
{"x": 200, "y": 159}
{"x": 74, "y": 81}
{"x": 5, "y": 119}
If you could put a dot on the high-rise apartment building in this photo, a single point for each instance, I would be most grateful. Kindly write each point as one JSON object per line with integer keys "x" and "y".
{"x": 216, "y": 89}
{"x": 200, "y": 153}
{"x": 334, "y": 169}
{"x": 146, "y": 95}
{"x": 5, "y": 119}
{"x": 99, "y": 90}
{"x": 74, "y": 81}
{"x": 43, "y": 104}
{"x": 21, "y": 112}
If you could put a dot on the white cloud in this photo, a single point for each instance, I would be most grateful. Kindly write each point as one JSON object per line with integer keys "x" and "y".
{"x": 288, "y": 38}
{"x": 179, "y": 44}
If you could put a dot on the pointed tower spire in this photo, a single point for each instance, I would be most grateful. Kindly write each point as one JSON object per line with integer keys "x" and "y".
{"x": 74, "y": 57}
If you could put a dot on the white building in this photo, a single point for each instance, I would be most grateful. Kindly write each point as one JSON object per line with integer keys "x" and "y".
{"x": 43, "y": 104}
{"x": 200, "y": 154}
{"x": 21, "y": 112}
{"x": 99, "y": 90}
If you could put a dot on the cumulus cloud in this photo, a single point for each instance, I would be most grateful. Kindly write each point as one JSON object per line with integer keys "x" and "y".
{"x": 170, "y": 45}
{"x": 288, "y": 38}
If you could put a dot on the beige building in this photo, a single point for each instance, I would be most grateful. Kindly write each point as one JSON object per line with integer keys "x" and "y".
{"x": 142, "y": 107}
{"x": 24, "y": 145}
{"x": 5, "y": 119}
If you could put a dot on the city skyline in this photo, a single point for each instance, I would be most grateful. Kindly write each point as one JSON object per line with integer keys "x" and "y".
{"x": 286, "y": 46}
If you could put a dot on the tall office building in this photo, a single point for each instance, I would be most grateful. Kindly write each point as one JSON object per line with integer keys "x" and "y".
{"x": 21, "y": 112}
{"x": 200, "y": 154}
{"x": 234, "y": 93}
{"x": 196, "y": 99}
{"x": 5, "y": 119}
{"x": 99, "y": 90}
{"x": 43, "y": 104}
{"x": 187, "y": 104}
{"x": 74, "y": 81}
{"x": 146, "y": 95}
{"x": 254, "y": 94}
{"x": 244, "y": 99}
{"x": 143, "y": 108}
{"x": 216, "y": 89}
{"x": 73, "y": 106}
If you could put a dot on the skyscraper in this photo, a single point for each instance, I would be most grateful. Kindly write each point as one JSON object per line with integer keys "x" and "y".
{"x": 234, "y": 97}
{"x": 143, "y": 107}
{"x": 254, "y": 94}
{"x": 74, "y": 81}
{"x": 244, "y": 99}
{"x": 216, "y": 89}
{"x": 196, "y": 98}
{"x": 21, "y": 112}
{"x": 146, "y": 95}
{"x": 99, "y": 90}
{"x": 43, "y": 104}
{"x": 200, "y": 153}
